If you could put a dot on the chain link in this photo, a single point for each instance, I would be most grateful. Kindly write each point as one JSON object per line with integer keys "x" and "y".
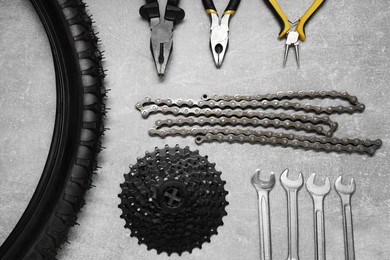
{"x": 239, "y": 110}
{"x": 267, "y": 101}
{"x": 274, "y": 138}
{"x": 244, "y": 121}
{"x": 304, "y": 142}
{"x": 311, "y": 120}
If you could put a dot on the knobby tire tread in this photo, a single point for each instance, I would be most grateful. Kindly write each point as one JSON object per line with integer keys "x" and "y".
{"x": 78, "y": 130}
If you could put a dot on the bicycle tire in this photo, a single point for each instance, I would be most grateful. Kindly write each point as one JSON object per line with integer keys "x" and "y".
{"x": 78, "y": 128}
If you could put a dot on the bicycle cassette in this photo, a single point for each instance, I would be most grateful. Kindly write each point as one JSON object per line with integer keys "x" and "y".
{"x": 173, "y": 200}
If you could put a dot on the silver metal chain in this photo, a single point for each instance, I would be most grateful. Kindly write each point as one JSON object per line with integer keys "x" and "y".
{"x": 279, "y": 100}
{"x": 244, "y": 121}
{"x": 298, "y": 142}
{"x": 355, "y": 105}
{"x": 239, "y": 110}
{"x": 312, "y": 120}
{"x": 273, "y": 138}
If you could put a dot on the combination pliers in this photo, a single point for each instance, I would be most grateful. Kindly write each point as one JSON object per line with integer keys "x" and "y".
{"x": 161, "y": 39}
{"x": 294, "y": 36}
{"x": 219, "y": 31}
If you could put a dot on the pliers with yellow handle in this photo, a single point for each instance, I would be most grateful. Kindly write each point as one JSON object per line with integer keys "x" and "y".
{"x": 219, "y": 30}
{"x": 297, "y": 34}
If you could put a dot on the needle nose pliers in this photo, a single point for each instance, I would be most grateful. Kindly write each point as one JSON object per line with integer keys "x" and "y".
{"x": 219, "y": 31}
{"x": 297, "y": 34}
{"x": 161, "y": 39}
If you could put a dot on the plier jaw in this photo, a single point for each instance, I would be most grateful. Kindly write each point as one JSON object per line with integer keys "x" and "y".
{"x": 161, "y": 27}
{"x": 292, "y": 40}
{"x": 219, "y": 38}
{"x": 219, "y": 30}
{"x": 161, "y": 42}
{"x": 219, "y": 50}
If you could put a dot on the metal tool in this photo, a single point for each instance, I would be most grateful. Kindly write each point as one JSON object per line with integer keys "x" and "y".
{"x": 294, "y": 36}
{"x": 219, "y": 31}
{"x": 345, "y": 192}
{"x": 318, "y": 194}
{"x": 292, "y": 187}
{"x": 263, "y": 188}
{"x": 161, "y": 39}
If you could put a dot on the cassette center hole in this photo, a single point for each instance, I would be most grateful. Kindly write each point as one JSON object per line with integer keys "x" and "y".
{"x": 173, "y": 197}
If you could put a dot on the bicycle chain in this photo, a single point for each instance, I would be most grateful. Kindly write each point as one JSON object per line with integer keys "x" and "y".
{"x": 267, "y": 101}
{"x": 273, "y": 138}
{"x": 305, "y": 142}
{"x": 244, "y": 121}
{"x": 312, "y": 120}
{"x": 211, "y": 111}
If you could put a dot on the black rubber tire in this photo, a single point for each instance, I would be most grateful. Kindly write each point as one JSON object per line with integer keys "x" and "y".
{"x": 76, "y": 139}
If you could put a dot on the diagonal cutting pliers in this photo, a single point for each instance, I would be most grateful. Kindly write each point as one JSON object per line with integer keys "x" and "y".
{"x": 219, "y": 31}
{"x": 294, "y": 36}
{"x": 161, "y": 39}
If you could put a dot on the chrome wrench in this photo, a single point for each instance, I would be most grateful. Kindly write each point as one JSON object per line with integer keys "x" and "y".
{"x": 318, "y": 194}
{"x": 345, "y": 192}
{"x": 263, "y": 188}
{"x": 292, "y": 187}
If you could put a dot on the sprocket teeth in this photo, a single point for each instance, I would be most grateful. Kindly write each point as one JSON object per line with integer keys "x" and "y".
{"x": 179, "y": 227}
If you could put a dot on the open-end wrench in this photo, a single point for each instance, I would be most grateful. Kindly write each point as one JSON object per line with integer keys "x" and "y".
{"x": 292, "y": 188}
{"x": 318, "y": 194}
{"x": 263, "y": 188}
{"x": 345, "y": 192}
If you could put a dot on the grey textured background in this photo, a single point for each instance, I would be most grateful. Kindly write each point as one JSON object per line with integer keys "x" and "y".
{"x": 347, "y": 49}
{"x": 27, "y": 105}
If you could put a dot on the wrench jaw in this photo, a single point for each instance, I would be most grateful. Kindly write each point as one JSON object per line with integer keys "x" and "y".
{"x": 345, "y": 189}
{"x": 262, "y": 184}
{"x": 316, "y": 189}
{"x": 291, "y": 184}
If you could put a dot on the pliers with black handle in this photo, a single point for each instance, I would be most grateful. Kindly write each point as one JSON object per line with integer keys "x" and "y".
{"x": 219, "y": 31}
{"x": 294, "y": 36}
{"x": 161, "y": 39}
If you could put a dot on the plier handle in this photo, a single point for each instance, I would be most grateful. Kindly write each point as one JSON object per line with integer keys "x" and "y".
{"x": 230, "y": 9}
{"x": 300, "y": 28}
{"x": 172, "y": 11}
{"x": 299, "y": 32}
{"x": 219, "y": 30}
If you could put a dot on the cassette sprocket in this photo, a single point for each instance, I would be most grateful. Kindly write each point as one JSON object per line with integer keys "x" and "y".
{"x": 173, "y": 200}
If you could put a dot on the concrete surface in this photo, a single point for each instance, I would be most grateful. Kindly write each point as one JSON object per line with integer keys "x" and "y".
{"x": 347, "y": 48}
{"x": 27, "y": 105}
